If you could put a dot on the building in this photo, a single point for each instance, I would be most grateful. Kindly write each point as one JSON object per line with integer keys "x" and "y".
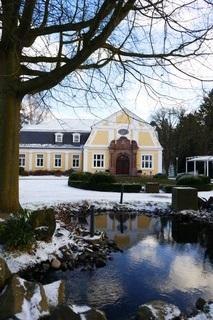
{"x": 121, "y": 144}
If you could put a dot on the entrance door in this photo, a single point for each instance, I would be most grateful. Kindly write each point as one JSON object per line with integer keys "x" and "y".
{"x": 122, "y": 164}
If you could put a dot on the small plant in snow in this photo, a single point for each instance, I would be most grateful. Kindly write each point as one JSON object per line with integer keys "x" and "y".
{"x": 17, "y": 233}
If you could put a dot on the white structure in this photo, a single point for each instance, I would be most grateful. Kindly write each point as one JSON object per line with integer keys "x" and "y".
{"x": 205, "y": 159}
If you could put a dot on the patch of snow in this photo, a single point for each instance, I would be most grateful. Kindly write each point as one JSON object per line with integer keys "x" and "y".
{"x": 172, "y": 312}
{"x": 153, "y": 310}
{"x": 79, "y": 309}
{"x": 51, "y": 291}
{"x": 65, "y": 125}
{"x": 31, "y": 310}
{"x": 40, "y": 191}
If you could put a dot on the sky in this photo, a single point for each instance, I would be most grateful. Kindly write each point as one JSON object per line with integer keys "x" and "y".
{"x": 138, "y": 101}
{"x": 174, "y": 89}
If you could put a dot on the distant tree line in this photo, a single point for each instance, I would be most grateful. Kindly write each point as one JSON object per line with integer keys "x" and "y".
{"x": 184, "y": 134}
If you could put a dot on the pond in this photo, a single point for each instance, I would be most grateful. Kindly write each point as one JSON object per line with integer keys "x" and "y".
{"x": 161, "y": 259}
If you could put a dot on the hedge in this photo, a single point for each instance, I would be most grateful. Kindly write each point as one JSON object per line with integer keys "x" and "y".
{"x": 80, "y": 176}
{"x": 101, "y": 177}
{"x": 193, "y": 181}
{"x": 113, "y": 187}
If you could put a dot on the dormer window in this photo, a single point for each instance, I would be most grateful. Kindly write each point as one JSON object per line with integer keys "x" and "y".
{"x": 58, "y": 137}
{"x": 76, "y": 137}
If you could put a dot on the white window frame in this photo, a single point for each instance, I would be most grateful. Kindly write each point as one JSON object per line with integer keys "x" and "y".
{"x": 58, "y": 137}
{"x": 76, "y": 137}
{"x": 148, "y": 161}
{"x": 76, "y": 158}
{"x": 57, "y": 161}
{"x": 96, "y": 160}
{"x": 39, "y": 157}
{"x": 22, "y": 160}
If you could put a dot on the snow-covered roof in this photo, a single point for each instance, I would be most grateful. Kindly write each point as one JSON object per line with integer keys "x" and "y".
{"x": 55, "y": 125}
{"x": 48, "y": 146}
{"x": 200, "y": 158}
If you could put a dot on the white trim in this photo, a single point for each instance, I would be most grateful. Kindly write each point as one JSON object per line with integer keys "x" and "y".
{"x": 85, "y": 160}
{"x": 44, "y": 151}
{"x": 150, "y": 148}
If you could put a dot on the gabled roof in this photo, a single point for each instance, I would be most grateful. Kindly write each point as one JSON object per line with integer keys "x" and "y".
{"x": 124, "y": 111}
{"x": 65, "y": 125}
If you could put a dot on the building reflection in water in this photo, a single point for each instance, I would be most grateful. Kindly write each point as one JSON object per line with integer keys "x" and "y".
{"x": 126, "y": 229}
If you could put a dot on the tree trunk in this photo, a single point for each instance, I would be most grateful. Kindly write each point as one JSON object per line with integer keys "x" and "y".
{"x": 9, "y": 153}
{"x": 9, "y": 131}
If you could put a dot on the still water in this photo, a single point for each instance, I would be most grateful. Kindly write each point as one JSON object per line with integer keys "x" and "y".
{"x": 162, "y": 259}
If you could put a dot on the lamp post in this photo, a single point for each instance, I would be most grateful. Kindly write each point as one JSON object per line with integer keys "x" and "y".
{"x": 176, "y": 166}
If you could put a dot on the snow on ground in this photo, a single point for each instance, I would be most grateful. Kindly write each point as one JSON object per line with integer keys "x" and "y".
{"x": 49, "y": 190}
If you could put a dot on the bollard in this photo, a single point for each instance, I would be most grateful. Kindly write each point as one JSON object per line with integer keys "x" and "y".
{"x": 92, "y": 221}
{"x": 122, "y": 193}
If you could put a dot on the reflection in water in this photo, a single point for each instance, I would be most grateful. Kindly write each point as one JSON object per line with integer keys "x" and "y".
{"x": 186, "y": 275}
{"x": 162, "y": 259}
{"x": 126, "y": 229}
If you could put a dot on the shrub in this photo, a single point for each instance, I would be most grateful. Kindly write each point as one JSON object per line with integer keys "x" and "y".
{"x": 79, "y": 176}
{"x": 17, "y": 233}
{"x": 200, "y": 182}
{"x": 101, "y": 177}
{"x": 192, "y": 181}
{"x": 40, "y": 173}
{"x": 160, "y": 176}
{"x": 113, "y": 187}
{"x": 205, "y": 179}
{"x": 22, "y": 172}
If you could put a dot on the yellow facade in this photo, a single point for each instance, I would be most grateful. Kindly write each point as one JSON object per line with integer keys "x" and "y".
{"x": 90, "y": 160}
{"x": 121, "y": 125}
{"x": 49, "y": 160}
{"x": 101, "y": 138}
{"x": 146, "y": 171}
{"x": 123, "y": 118}
{"x": 145, "y": 139}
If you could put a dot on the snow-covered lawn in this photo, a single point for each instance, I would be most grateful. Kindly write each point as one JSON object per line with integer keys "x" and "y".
{"x": 49, "y": 190}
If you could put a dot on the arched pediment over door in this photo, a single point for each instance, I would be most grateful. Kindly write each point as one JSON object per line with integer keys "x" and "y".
{"x": 123, "y": 156}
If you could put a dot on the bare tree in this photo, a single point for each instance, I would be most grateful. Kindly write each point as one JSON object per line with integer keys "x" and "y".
{"x": 165, "y": 122}
{"x": 76, "y": 43}
{"x": 33, "y": 110}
